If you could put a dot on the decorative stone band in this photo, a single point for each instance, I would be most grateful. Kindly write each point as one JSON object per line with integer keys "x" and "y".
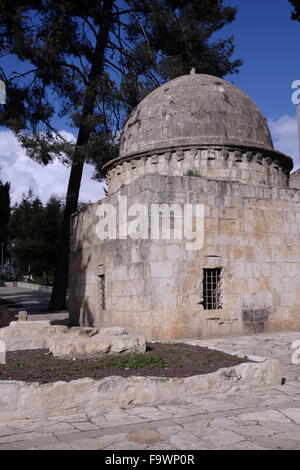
{"x": 258, "y": 166}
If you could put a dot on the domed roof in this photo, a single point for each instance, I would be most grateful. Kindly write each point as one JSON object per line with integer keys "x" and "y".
{"x": 194, "y": 110}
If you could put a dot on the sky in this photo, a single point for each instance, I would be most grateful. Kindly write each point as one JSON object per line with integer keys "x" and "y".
{"x": 266, "y": 40}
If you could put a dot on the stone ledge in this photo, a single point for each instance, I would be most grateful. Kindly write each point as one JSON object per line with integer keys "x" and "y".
{"x": 21, "y": 400}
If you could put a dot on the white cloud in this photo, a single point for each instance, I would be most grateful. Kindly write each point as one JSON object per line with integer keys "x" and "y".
{"x": 23, "y": 173}
{"x": 285, "y": 136}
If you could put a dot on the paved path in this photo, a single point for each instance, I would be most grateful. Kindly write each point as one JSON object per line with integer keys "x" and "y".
{"x": 34, "y": 302}
{"x": 266, "y": 418}
{"x": 272, "y": 345}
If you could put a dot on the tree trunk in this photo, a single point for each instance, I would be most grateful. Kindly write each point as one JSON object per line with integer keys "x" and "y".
{"x": 60, "y": 285}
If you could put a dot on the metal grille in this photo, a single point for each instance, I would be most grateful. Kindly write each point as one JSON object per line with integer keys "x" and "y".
{"x": 102, "y": 291}
{"x": 212, "y": 289}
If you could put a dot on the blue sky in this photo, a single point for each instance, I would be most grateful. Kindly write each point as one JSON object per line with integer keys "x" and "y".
{"x": 266, "y": 40}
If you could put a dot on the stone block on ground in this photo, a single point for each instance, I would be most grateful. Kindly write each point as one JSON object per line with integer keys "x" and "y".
{"x": 76, "y": 341}
{"x": 25, "y": 334}
{"x": 85, "y": 345}
{"x": 84, "y": 331}
{"x": 113, "y": 331}
{"x": 23, "y": 315}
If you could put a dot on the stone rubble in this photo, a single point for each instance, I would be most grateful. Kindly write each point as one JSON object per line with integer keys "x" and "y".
{"x": 64, "y": 341}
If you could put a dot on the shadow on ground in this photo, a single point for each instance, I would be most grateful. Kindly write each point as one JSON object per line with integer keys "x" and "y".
{"x": 34, "y": 302}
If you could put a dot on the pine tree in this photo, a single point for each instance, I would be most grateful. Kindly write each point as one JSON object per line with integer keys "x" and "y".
{"x": 34, "y": 234}
{"x": 4, "y": 218}
{"x": 296, "y": 12}
{"x": 90, "y": 63}
{"x": 26, "y": 226}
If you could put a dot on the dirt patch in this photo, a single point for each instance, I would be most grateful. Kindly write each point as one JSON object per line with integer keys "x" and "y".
{"x": 5, "y": 316}
{"x": 160, "y": 360}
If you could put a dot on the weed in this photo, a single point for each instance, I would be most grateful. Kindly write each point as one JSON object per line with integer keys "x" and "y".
{"x": 138, "y": 361}
{"x": 19, "y": 362}
{"x": 193, "y": 174}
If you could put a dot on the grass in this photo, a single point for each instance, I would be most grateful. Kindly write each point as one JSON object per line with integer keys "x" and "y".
{"x": 137, "y": 361}
{"x": 46, "y": 369}
{"x": 160, "y": 360}
{"x": 20, "y": 363}
{"x": 207, "y": 361}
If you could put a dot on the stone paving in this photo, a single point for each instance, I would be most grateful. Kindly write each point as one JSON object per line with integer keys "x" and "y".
{"x": 34, "y": 302}
{"x": 266, "y": 418}
{"x": 271, "y": 345}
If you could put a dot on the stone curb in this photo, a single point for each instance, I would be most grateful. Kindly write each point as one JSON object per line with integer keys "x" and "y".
{"x": 29, "y": 285}
{"x": 22, "y": 400}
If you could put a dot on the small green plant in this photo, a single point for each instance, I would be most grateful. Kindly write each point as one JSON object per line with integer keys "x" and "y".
{"x": 96, "y": 365}
{"x": 219, "y": 355}
{"x": 171, "y": 350}
{"x": 138, "y": 361}
{"x": 19, "y": 362}
{"x": 192, "y": 173}
{"x": 229, "y": 375}
{"x": 46, "y": 369}
{"x": 207, "y": 362}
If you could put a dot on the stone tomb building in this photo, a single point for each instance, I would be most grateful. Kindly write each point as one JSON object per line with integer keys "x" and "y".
{"x": 199, "y": 140}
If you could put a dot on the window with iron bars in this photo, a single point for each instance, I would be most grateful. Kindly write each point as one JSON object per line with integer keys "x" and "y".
{"x": 212, "y": 289}
{"x": 102, "y": 291}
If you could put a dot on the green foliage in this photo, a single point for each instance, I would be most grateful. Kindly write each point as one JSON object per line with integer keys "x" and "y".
{"x": 178, "y": 35}
{"x": 35, "y": 230}
{"x": 137, "y": 361}
{"x": 89, "y": 63}
{"x": 296, "y": 11}
{"x": 59, "y": 43}
{"x": 5, "y": 210}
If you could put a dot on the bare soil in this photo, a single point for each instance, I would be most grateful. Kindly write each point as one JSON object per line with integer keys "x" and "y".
{"x": 160, "y": 360}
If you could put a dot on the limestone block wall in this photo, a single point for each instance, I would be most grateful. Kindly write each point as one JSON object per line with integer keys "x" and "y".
{"x": 294, "y": 180}
{"x": 155, "y": 287}
{"x": 257, "y": 167}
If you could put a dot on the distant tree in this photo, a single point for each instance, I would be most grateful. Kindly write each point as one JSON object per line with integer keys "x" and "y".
{"x": 53, "y": 217}
{"x": 90, "y": 63}
{"x": 35, "y": 231}
{"x": 26, "y": 233}
{"x": 4, "y": 218}
{"x": 296, "y": 12}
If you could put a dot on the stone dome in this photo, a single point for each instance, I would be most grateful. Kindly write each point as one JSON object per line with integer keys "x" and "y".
{"x": 194, "y": 109}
